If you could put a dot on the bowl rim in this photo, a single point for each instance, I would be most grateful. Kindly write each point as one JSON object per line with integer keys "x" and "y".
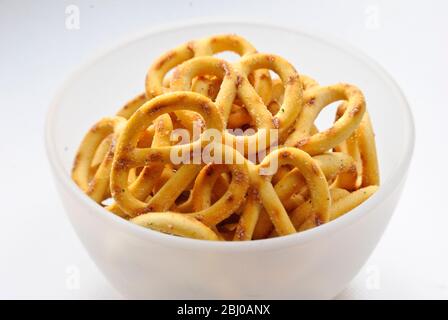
{"x": 385, "y": 190}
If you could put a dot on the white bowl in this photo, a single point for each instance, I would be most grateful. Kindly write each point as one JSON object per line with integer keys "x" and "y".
{"x": 141, "y": 263}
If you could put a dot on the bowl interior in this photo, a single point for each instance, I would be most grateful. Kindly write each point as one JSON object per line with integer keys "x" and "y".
{"x": 103, "y": 85}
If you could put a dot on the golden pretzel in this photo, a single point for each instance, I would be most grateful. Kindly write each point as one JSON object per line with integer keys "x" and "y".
{"x": 228, "y": 203}
{"x": 331, "y": 164}
{"x": 315, "y": 100}
{"x": 361, "y": 146}
{"x": 207, "y": 214}
{"x": 176, "y": 224}
{"x": 97, "y": 187}
{"x": 299, "y": 178}
{"x": 202, "y": 47}
{"x": 342, "y": 203}
{"x": 129, "y": 156}
{"x": 264, "y": 190}
{"x": 235, "y": 83}
{"x": 149, "y": 175}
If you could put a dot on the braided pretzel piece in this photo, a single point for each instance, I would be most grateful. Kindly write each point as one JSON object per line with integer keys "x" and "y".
{"x": 315, "y": 100}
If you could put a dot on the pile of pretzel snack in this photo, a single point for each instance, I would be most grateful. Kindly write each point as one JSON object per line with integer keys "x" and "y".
{"x": 125, "y": 162}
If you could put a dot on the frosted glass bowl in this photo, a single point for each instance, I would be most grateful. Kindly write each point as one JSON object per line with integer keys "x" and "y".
{"x": 141, "y": 263}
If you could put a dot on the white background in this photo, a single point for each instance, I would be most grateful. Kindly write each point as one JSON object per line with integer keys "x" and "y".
{"x": 39, "y": 251}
